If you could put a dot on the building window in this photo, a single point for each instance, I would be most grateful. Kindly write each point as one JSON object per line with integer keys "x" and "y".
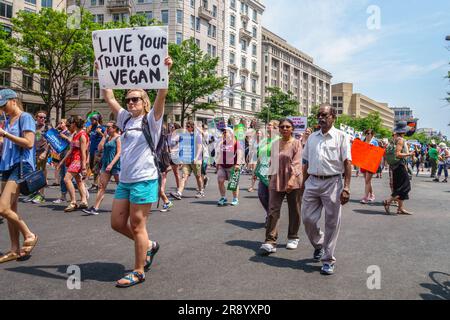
{"x": 179, "y": 38}
{"x": 255, "y": 15}
{"x": 232, "y": 40}
{"x": 253, "y": 104}
{"x": 232, "y": 21}
{"x": 165, "y": 16}
{"x": 254, "y": 66}
{"x": 30, "y": 1}
{"x": 179, "y": 16}
{"x": 254, "y": 50}
{"x": 45, "y": 85}
{"x": 214, "y": 11}
{"x": 231, "y": 101}
{"x": 47, "y": 3}
{"x": 5, "y": 79}
{"x": 232, "y": 76}
{"x": 6, "y": 10}
{"x": 243, "y": 63}
{"x": 244, "y": 45}
{"x": 233, "y": 4}
{"x": 27, "y": 81}
{"x": 192, "y": 22}
{"x": 192, "y": 3}
{"x": 255, "y": 32}
{"x": 75, "y": 89}
{"x": 99, "y": 18}
{"x": 243, "y": 102}
{"x": 244, "y": 83}
{"x": 197, "y": 42}
{"x": 232, "y": 58}
{"x": 197, "y": 26}
{"x": 254, "y": 83}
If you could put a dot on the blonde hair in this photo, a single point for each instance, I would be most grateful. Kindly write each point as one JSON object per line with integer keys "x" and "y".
{"x": 19, "y": 104}
{"x": 145, "y": 98}
{"x": 275, "y": 123}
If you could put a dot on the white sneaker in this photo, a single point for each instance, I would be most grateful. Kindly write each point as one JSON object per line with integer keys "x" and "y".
{"x": 292, "y": 244}
{"x": 268, "y": 248}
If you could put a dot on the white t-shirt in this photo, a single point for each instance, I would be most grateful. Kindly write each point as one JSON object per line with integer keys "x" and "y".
{"x": 136, "y": 159}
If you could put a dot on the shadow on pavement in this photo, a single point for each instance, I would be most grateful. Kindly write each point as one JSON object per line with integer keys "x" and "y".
{"x": 97, "y": 271}
{"x": 209, "y": 203}
{"x": 275, "y": 261}
{"x": 372, "y": 212}
{"x": 439, "y": 289}
{"x": 248, "y": 225}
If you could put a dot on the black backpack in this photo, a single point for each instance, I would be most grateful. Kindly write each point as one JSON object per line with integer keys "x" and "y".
{"x": 161, "y": 153}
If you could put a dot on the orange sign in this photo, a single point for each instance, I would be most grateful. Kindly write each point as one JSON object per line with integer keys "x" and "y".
{"x": 366, "y": 156}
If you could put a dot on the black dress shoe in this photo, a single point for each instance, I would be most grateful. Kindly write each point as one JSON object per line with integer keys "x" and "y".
{"x": 318, "y": 254}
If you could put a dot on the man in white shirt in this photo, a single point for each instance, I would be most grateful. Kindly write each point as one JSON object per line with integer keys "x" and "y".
{"x": 326, "y": 156}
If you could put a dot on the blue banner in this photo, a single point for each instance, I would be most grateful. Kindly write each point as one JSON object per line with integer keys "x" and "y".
{"x": 54, "y": 139}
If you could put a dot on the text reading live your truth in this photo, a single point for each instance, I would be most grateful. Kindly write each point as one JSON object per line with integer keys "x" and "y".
{"x": 125, "y": 62}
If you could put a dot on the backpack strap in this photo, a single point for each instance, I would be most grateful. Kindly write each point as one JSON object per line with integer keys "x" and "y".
{"x": 20, "y": 148}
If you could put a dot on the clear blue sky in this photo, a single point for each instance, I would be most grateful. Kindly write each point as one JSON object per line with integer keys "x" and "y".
{"x": 403, "y": 62}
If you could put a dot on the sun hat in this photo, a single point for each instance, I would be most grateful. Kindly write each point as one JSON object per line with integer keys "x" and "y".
{"x": 5, "y": 95}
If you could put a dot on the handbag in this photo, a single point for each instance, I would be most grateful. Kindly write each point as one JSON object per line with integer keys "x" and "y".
{"x": 33, "y": 181}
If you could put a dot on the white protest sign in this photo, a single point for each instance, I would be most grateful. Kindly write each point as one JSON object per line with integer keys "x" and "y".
{"x": 132, "y": 58}
{"x": 300, "y": 124}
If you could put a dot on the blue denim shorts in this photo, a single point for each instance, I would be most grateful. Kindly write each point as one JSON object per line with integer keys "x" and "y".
{"x": 13, "y": 174}
{"x": 144, "y": 192}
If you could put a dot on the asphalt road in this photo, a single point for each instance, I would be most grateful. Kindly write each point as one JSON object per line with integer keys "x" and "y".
{"x": 212, "y": 253}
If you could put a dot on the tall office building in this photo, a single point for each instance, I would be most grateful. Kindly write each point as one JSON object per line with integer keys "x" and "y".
{"x": 27, "y": 85}
{"x": 358, "y": 105}
{"x": 290, "y": 69}
{"x": 228, "y": 29}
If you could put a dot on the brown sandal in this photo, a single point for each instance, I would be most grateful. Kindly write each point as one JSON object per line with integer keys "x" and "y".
{"x": 404, "y": 212}
{"x": 387, "y": 206}
{"x": 10, "y": 256}
{"x": 71, "y": 207}
{"x": 28, "y": 246}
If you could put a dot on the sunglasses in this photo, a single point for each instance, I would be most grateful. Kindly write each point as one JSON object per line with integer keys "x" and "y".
{"x": 285, "y": 127}
{"x": 40, "y": 117}
{"x": 134, "y": 100}
{"x": 323, "y": 115}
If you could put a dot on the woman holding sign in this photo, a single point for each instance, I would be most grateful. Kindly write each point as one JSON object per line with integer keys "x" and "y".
{"x": 138, "y": 187}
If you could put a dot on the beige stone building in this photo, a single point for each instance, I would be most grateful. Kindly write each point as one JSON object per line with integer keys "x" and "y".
{"x": 290, "y": 69}
{"x": 28, "y": 86}
{"x": 358, "y": 105}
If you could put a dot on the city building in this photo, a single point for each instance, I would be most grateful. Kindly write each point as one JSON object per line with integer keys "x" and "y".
{"x": 404, "y": 114}
{"x": 28, "y": 86}
{"x": 358, "y": 105}
{"x": 430, "y": 132}
{"x": 290, "y": 69}
{"x": 228, "y": 29}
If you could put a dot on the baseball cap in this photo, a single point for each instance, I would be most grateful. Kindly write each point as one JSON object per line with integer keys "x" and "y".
{"x": 5, "y": 95}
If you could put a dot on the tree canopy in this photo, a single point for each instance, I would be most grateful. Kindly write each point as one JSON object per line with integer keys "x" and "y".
{"x": 278, "y": 105}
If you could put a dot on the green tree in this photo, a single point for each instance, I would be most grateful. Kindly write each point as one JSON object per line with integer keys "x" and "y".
{"x": 6, "y": 53}
{"x": 47, "y": 47}
{"x": 312, "y": 118}
{"x": 278, "y": 105}
{"x": 193, "y": 77}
